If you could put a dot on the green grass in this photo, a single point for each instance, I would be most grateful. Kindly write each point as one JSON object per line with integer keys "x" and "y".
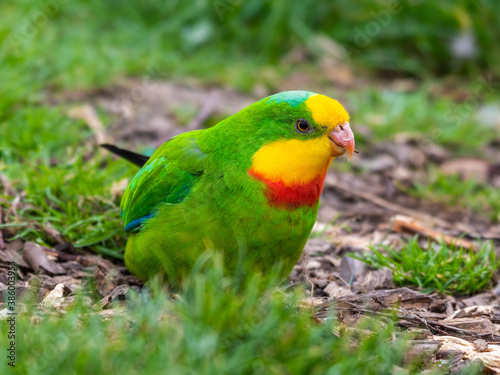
{"x": 441, "y": 267}
{"x": 215, "y": 326}
{"x": 77, "y": 44}
{"x": 68, "y": 185}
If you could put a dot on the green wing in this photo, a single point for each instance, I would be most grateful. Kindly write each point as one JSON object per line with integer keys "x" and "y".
{"x": 167, "y": 177}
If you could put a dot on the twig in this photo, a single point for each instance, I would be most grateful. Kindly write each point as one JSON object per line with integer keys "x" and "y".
{"x": 7, "y": 187}
{"x": 15, "y": 202}
{"x": 84, "y": 260}
{"x": 345, "y": 282}
{"x": 205, "y": 112}
{"x": 401, "y": 223}
{"x": 89, "y": 115}
{"x": 306, "y": 275}
{"x": 331, "y": 182}
{"x": 2, "y": 244}
{"x": 414, "y": 318}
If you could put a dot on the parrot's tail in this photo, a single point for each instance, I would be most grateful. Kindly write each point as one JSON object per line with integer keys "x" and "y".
{"x": 132, "y": 157}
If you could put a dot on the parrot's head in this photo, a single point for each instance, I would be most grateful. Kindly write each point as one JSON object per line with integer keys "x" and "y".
{"x": 314, "y": 119}
{"x": 297, "y": 135}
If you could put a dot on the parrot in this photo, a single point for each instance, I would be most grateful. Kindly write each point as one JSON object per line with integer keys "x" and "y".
{"x": 247, "y": 188}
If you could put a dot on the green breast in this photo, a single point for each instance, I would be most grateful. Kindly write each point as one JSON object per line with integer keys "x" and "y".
{"x": 226, "y": 212}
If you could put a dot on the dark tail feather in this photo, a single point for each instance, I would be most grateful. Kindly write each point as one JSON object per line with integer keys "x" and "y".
{"x": 132, "y": 157}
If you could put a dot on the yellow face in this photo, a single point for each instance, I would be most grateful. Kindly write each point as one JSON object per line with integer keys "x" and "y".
{"x": 327, "y": 111}
{"x": 302, "y": 161}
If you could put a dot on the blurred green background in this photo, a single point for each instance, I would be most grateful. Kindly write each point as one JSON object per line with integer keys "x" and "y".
{"x": 60, "y": 44}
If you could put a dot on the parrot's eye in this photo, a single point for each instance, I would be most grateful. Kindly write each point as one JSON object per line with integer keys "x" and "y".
{"x": 302, "y": 126}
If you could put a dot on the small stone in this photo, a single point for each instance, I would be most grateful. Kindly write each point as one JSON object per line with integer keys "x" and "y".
{"x": 5, "y": 314}
{"x": 55, "y": 298}
{"x": 333, "y": 290}
{"x": 313, "y": 264}
{"x": 380, "y": 279}
{"x": 480, "y": 345}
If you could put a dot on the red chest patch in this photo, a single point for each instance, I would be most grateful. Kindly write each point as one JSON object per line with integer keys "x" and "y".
{"x": 291, "y": 195}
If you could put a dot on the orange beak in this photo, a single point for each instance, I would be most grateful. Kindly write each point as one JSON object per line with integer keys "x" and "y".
{"x": 342, "y": 140}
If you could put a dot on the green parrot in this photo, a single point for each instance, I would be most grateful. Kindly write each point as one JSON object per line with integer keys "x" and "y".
{"x": 247, "y": 188}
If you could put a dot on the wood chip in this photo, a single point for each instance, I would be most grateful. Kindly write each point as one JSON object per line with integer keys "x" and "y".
{"x": 108, "y": 277}
{"x": 12, "y": 253}
{"x": 380, "y": 279}
{"x": 119, "y": 292}
{"x": 422, "y": 350}
{"x": 475, "y": 325}
{"x": 482, "y": 299}
{"x": 53, "y": 234}
{"x": 35, "y": 256}
{"x": 480, "y": 345}
{"x": 351, "y": 270}
{"x": 473, "y": 311}
{"x": 490, "y": 358}
{"x": 333, "y": 290}
{"x": 379, "y": 300}
{"x": 55, "y": 298}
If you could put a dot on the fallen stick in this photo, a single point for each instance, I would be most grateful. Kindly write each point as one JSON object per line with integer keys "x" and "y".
{"x": 332, "y": 183}
{"x": 7, "y": 187}
{"x": 401, "y": 223}
{"x": 206, "y": 111}
{"x": 88, "y": 114}
{"x": 82, "y": 259}
{"x": 13, "y": 207}
{"x": 2, "y": 244}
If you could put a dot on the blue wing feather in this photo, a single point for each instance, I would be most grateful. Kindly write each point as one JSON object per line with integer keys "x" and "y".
{"x": 137, "y": 222}
{"x": 167, "y": 177}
